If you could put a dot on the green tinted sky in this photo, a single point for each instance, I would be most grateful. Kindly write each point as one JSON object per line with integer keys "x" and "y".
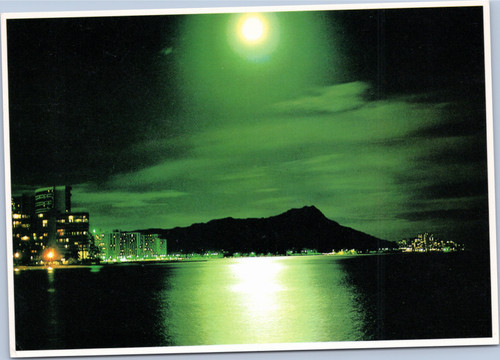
{"x": 169, "y": 120}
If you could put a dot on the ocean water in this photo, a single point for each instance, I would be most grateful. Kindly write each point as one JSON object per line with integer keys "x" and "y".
{"x": 254, "y": 301}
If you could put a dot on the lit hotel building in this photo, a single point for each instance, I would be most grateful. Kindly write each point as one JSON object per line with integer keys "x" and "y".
{"x": 50, "y": 203}
{"x": 126, "y": 245}
{"x": 44, "y": 220}
{"x": 23, "y": 231}
{"x": 73, "y": 235}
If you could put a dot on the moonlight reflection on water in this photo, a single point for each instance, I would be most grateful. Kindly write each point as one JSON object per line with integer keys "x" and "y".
{"x": 259, "y": 300}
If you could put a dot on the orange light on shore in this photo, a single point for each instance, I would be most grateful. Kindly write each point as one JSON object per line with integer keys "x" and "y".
{"x": 49, "y": 255}
{"x": 17, "y": 255}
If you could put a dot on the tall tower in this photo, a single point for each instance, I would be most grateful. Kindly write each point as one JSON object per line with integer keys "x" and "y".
{"x": 57, "y": 198}
{"x": 24, "y": 245}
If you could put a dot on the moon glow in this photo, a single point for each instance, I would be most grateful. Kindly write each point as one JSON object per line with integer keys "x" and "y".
{"x": 253, "y": 29}
{"x": 254, "y": 36}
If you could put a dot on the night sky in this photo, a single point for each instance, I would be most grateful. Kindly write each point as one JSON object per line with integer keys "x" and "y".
{"x": 376, "y": 117}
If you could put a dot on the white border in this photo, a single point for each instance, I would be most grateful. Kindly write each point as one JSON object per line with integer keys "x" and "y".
{"x": 259, "y": 347}
{"x": 491, "y": 171}
{"x": 221, "y": 10}
{"x": 8, "y": 207}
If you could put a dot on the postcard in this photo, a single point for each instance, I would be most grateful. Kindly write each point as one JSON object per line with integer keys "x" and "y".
{"x": 249, "y": 179}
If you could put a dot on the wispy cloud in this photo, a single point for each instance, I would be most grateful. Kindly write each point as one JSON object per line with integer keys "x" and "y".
{"x": 362, "y": 162}
{"x": 331, "y": 99}
{"x": 87, "y": 197}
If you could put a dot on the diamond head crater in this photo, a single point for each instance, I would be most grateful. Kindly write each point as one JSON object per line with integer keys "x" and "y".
{"x": 292, "y": 231}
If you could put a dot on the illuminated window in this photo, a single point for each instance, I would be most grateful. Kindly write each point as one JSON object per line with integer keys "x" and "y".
{"x": 70, "y": 218}
{"x": 40, "y": 215}
{"x": 16, "y": 216}
{"x": 45, "y": 223}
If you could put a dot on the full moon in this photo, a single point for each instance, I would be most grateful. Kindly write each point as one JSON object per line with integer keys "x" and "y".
{"x": 253, "y": 29}
{"x": 254, "y": 36}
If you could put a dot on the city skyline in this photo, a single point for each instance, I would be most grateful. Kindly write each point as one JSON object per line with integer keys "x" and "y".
{"x": 23, "y": 200}
{"x": 45, "y": 229}
{"x": 165, "y": 121}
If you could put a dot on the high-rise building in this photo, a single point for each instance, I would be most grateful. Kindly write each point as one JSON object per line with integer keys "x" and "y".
{"x": 50, "y": 203}
{"x": 129, "y": 245}
{"x": 56, "y": 198}
{"x": 98, "y": 239}
{"x": 162, "y": 247}
{"x": 44, "y": 220}
{"x": 126, "y": 245}
{"x": 73, "y": 237}
{"x": 23, "y": 232}
{"x": 111, "y": 248}
{"x": 149, "y": 246}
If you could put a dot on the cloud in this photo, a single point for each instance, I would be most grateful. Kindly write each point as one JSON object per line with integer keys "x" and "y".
{"x": 364, "y": 163}
{"x": 462, "y": 189}
{"x": 464, "y": 214}
{"x": 121, "y": 199}
{"x": 126, "y": 210}
{"x": 331, "y": 99}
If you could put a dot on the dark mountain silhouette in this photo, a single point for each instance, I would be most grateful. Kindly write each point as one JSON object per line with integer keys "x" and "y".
{"x": 296, "y": 229}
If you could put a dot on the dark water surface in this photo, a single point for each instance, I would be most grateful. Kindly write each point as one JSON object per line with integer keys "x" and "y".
{"x": 254, "y": 300}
